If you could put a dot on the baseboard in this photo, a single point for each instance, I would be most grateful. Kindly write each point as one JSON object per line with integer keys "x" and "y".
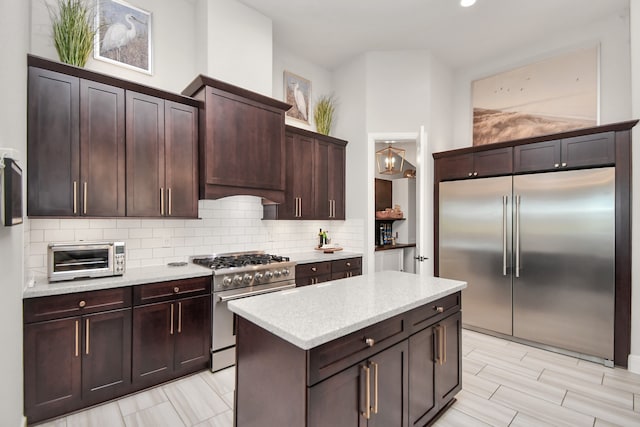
{"x": 634, "y": 363}
{"x": 24, "y": 422}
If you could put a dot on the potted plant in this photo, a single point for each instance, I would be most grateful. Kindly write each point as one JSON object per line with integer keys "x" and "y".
{"x": 323, "y": 113}
{"x": 73, "y": 30}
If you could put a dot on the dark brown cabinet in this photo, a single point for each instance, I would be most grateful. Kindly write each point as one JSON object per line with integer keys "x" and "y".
{"x": 242, "y": 141}
{"x": 161, "y": 157}
{"x": 75, "y": 352}
{"x": 574, "y": 152}
{"x": 75, "y": 146}
{"x": 476, "y": 165}
{"x": 372, "y": 393}
{"x": 171, "y": 330}
{"x": 315, "y": 178}
{"x": 401, "y": 371}
{"x": 318, "y": 272}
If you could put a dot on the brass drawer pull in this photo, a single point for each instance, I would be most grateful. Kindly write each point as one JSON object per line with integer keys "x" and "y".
{"x": 439, "y": 309}
{"x": 348, "y": 264}
{"x": 176, "y": 289}
{"x": 82, "y": 304}
{"x": 370, "y": 342}
{"x": 314, "y": 269}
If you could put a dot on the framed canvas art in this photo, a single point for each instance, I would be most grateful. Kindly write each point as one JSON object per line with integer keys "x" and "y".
{"x": 550, "y": 96}
{"x": 123, "y": 35}
{"x": 297, "y": 92}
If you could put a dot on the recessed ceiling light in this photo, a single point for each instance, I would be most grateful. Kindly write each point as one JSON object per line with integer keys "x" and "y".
{"x": 467, "y": 3}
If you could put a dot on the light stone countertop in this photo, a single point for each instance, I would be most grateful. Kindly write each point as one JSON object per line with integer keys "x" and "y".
{"x": 319, "y": 256}
{"x": 313, "y": 315}
{"x": 133, "y": 276}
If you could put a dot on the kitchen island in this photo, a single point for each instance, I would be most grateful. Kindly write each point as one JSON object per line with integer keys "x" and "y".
{"x": 381, "y": 349}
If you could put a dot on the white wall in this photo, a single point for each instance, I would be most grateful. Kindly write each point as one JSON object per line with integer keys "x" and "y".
{"x": 173, "y": 38}
{"x": 611, "y": 33}
{"x": 14, "y": 44}
{"x": 320, "y": 83}
{"x": 634, "y": 358}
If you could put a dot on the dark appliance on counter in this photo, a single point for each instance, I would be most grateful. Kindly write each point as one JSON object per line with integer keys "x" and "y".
{"x": 240, "y": 275}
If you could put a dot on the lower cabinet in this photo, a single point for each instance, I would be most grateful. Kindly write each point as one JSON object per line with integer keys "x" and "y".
{"x": 402, "y": 371}
{"x": 73, "y": 362}
{"x": 170, "y": 338}
{"x": 372, "y": 393}
{"x": 318, "y": 272}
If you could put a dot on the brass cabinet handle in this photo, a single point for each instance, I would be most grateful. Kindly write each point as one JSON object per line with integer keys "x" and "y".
{"x": 348, "y": 264}
{"x": 84, "y": 198}
{"x": 438, "y": 309}
{"x": 470, "y": 173}
{"x": 75, "y": 197}
{"x": 444, "y": 344}
{"x": 77, "y": 336}
{"x": 179, "y": 317}
{"x": 367, "y": 399}
{"x": 161, "y": 201}
{"x": 171, "y": 327}
{"x": 557, "y": 165}
{"x": 564, "y": 165}
{"x": 475, "y": 174}
{"x": 82, "y": 304}
{"x": 375, "y": 387}
{"x": 169, "y": 202}
{"x": 370, "y": 342}
{"x": 314, "y": 269}
{"x": 176, "y": 289}
{"x": 86, "y": 336}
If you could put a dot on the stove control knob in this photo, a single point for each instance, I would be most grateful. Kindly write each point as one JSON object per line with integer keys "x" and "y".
{"x": 237, "y": 280}
{"x": 268, "y": 275}
{"x": 276, "y": 273}
{"x": 285, "y": 272}
{"x": 246, "y": 279}
{"x": 226, "y": 282}
{"x": 257, "y": 277}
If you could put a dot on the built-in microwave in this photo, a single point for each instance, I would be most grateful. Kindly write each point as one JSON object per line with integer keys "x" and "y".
{"x": 68, "y": 261}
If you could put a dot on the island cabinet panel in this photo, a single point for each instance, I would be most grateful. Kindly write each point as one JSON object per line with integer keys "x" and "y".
{"x": 402, "y": 371}
{"x": 77, "y": 351}
{"x": 171, "y": 330}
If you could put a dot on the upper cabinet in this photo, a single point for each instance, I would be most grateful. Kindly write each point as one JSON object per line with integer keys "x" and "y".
{"x": 76, "y": 146}
{"x": 315, "y": 178}
{"x": 98, "y": 145}
{"x": 242, "y": 141}
{"x": 476, "y": 165}
{"x": 567, "y": 153}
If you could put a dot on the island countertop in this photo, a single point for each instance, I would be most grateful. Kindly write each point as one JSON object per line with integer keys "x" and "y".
{"x": 313, "y": 315}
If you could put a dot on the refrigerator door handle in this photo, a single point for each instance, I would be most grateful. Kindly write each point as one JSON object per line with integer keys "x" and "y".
{"x": 517, "y": 235}
{"x": 504, "y": 234}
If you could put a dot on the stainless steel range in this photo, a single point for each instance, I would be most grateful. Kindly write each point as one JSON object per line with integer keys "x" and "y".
{"x": 240, "y": 275}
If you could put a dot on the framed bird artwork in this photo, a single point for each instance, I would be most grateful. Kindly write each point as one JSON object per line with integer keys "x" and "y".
{"x": 297, "y": 93}
{"x": 123, "y": 35}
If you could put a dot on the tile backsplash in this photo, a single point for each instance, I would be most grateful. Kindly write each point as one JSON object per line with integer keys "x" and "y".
{"x": 230, "y": 224}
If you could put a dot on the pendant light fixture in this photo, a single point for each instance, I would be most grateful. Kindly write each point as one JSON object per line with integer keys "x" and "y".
{"x": 390, "y": 160}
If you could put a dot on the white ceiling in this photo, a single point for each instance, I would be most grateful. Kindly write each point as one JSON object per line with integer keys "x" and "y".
{"x": 331, "y": 32}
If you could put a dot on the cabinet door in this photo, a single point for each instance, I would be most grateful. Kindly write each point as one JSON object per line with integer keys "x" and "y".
{"x": 106, "y": 360}
{"x": 493, "y": 162}
{"x": 422, "y": 401}
{"x": 589, "y": 150}
{"x": 152, "y": 351}
{"x": 321, "y": 180}
{"x": 102, "y": 150}
{"x": 448, "y": 371}
{"x": 145, "y": 155}
{"x": 53, "y": 147}
{"x": 455, "y": 167}
{"x": 181, "y": 159}
{"x": 52, "y": 365}
{"x": 300, "y": 171}
{"x": 336, "y": 177}
{"x": 539, "y": 156}
{"x": 192, "y": 328}
{"x": 390, "y": 387}
{"x": 339, "y": 401}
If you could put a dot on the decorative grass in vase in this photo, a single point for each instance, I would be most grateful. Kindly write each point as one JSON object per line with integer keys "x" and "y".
{"x": 323, "y": 113}
{"x": 73, "y": 31}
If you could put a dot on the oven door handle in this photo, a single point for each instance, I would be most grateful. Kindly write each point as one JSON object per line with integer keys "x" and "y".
{"x": 260, "y": 292}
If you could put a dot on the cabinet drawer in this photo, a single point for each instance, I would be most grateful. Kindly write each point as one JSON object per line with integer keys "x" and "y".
{"x": 313, "y": 269}
{"x": 165, "y": 291}
{"x": 60, "y": 306}
{"x": 348, "y": 264}
{"x": 334, "y": 356}
{"x": 428, "y": 314}
{"x": 312, "y": 280}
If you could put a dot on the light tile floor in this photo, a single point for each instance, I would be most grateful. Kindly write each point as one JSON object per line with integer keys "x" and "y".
{"x": 504, "y": 384}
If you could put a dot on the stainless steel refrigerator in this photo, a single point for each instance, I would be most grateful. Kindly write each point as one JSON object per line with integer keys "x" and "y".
{"x": 538, "y": 254}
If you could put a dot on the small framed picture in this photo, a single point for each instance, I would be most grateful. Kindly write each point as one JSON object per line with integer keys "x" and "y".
{"x": 123, "y": 35}
{"x": 297, "y": 92}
